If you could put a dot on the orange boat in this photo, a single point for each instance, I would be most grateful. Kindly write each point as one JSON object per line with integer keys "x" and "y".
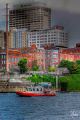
{"x": 35, "y": 91}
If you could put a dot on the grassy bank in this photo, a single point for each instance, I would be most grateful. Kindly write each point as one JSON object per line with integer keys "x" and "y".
{"x": 73, "y": 82}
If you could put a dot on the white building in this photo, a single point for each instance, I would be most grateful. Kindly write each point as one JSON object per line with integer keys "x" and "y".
{"x": 57, "y": 35}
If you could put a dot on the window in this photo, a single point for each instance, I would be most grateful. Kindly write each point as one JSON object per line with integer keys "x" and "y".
{"x": 12, "y": 65}
{"x": 12, "y": 60}
{"x": 41, "y": 60}
{"x": 15, "y": 60}
{"x": 41, "y": 55}
{"x": 54, "y": 51}
{"x": 55, "y": 56}
{"x": 2, "y": 56}
{"x": 9, "y": 59}
{"x": 4, "y": 61}
{"x": 18, "y": 59}
{"x": 29, "y": 61}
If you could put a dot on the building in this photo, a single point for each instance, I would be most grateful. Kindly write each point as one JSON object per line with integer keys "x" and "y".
{"x": 71, "y": 54}
{"x": 17, "y": 38}
{"x": 2, "y": 40}
{"x": 52, "y": 58}
{"x": 56, "y": 35}
{"x": 35, "y": 57}
{"x": 32, "y": 16}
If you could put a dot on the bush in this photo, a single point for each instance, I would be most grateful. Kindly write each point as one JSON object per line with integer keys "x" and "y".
{"x": 73, "y": 82}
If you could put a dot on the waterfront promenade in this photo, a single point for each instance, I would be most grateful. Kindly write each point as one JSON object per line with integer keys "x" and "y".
{"x": 13, "y": 83}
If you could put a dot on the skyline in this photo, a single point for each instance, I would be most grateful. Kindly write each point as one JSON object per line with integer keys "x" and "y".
{"x": 64, "y": 13}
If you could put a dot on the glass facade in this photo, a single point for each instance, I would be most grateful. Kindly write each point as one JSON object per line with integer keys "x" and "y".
{"x": 17, "y": 38}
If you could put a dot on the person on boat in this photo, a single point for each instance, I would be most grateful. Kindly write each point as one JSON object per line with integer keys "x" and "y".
{"x": 45, "y": 91}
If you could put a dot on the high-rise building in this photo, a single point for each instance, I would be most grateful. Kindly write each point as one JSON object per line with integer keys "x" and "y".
{"x": 56, "y": 35}
{"x": 2, "y": 41}
{"x": 17, "y": 38}
{"x": 32, "y": 16}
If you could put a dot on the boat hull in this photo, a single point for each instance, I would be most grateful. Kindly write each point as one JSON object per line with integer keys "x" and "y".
{"x": 27, "y": 94}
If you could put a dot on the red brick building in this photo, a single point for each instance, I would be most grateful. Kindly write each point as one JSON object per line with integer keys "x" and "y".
{"x": 71, "y": 54}
{"x": 33, "y": 54}
{"x": 51, "y": 56}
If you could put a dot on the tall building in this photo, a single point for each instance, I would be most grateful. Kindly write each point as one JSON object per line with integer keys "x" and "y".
{"x": 32, "y": 16}
{"x": 56, "y": 35}
{"x": 17, "y": 38}
{"x": 2, "y": 41}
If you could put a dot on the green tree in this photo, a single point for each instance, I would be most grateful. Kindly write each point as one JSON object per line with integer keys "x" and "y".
{"x": 35, "y": 68}
{"x": 78, "y": 62}
{"x": 22, "y": 65}
{"x": 67, "y": 64}
{"x": 51, "y": 69}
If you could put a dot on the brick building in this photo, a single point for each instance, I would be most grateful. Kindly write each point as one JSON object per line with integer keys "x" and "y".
{"x": 71, "y": 54}
{"x": 34, "y": 55}
{"x": 51, "y": 56}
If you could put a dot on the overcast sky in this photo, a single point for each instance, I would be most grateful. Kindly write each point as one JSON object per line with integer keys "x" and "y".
{"x": 65, "y": 13}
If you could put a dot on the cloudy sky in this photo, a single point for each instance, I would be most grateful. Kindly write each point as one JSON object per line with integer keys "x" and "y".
{"x": 65, "y": 13}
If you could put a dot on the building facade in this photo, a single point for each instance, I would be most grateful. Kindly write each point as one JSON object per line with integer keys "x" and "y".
{"x": 49, "y": 36}
{"x": 2, "y": 40}
{"x": 32, "y": 16}
{"x": 71, "y": 54}
{"x": 17, "y": 38}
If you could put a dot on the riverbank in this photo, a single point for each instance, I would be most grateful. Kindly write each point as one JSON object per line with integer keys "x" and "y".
{"x": 14, "y": 89}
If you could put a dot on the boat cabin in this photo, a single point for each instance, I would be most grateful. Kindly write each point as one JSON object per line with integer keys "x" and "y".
{"x": 38, "y": 89}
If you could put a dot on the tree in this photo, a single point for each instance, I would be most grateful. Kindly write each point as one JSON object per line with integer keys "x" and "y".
{"x": 22, "y": 65}
{"x": 67, "y": 64}
{"x": 51, "y": 69}
{"x": 78, "y": 62}
{"x": 35, "y": 68}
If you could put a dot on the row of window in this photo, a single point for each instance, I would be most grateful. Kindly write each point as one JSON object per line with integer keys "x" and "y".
{"x": 13, "y": 60}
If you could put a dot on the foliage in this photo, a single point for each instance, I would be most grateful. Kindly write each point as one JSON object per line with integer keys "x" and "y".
{"x": 35, "y": 68}
{"x": 22, "y": 64}
{"x": 51, "y": 69}
{"x": 38, "y": 79}
{"x": 2, "y": 70}
{"x": 73, "y": 82}
{"x": 67, "y": 64}
{"x": 78, "y": 61}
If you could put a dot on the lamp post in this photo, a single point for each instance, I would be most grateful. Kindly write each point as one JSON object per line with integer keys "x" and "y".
{"x": 56, "y": 81}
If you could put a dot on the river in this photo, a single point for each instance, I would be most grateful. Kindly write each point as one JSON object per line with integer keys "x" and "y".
{"x": 63, "y": 106}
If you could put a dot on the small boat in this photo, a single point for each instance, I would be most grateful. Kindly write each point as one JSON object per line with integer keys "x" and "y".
{"x": 35, "y": 91}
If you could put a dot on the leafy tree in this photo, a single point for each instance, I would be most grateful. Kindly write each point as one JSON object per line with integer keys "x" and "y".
{"x": 76, "y": 70}
{"x": 22, "y": 65}
{"x": 51, "y": 69}
{"x": 35, "y": 68}
{"x": 67, "y": 64}
{"x": 78, "y": 62}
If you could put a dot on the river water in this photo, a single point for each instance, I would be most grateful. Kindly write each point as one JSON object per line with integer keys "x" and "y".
{"x": 63, "y": 106}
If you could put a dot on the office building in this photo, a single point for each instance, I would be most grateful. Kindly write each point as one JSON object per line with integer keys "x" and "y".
{"x": 17, "y": 38}
{"x": 56, "y": 36}
{"x": 32, "y": 16}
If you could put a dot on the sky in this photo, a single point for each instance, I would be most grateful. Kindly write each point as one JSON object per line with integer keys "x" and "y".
{"x": 64, "y": 13}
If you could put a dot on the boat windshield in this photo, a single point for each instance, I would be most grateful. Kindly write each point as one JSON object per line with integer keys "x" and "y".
{"x": 29, "y": 89}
